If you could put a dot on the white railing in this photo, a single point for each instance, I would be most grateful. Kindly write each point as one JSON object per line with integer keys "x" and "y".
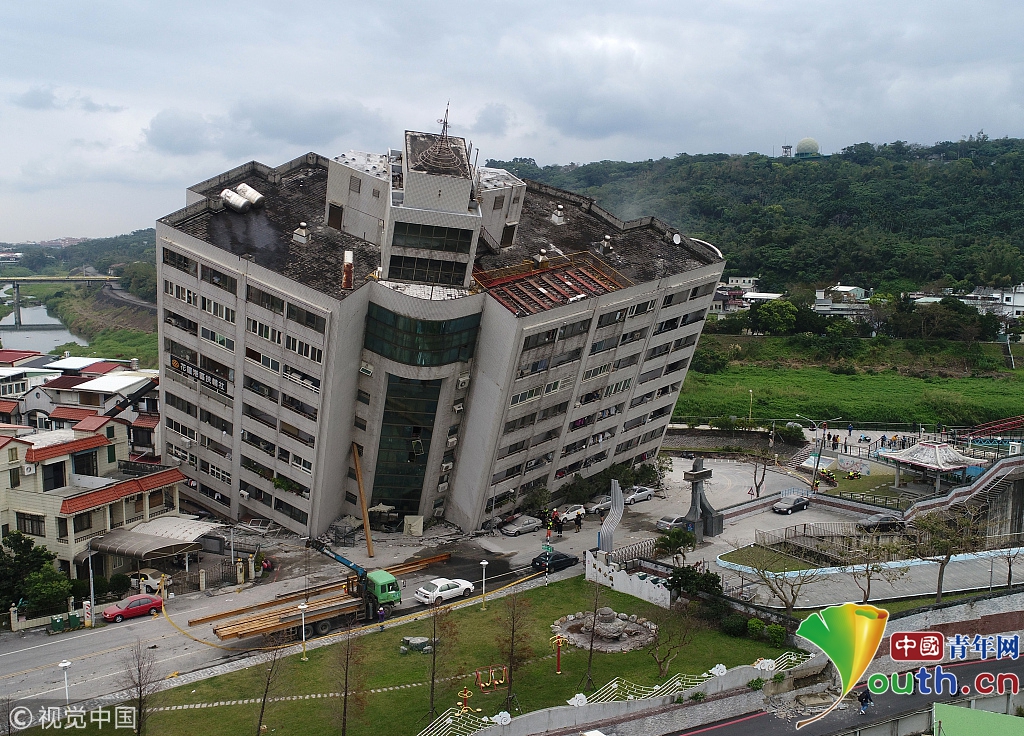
{"x": 455, "y": 722}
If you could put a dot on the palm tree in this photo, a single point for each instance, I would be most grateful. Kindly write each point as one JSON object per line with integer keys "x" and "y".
{"x": 675, "y": 542}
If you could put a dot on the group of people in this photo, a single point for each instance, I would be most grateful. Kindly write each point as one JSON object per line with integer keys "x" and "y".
{"x": 555, "y": 522}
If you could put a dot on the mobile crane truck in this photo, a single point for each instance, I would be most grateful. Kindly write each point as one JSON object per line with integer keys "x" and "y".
{"x": 339, "y": 605}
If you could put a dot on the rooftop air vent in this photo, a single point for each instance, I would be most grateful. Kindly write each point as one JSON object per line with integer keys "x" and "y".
{"x": 301, "y": 233}
{"x": 541, "y": 258}
{"x": 235, "y": 201}
{"x": 250, "y": 194}
{"x": 558, "y": 216}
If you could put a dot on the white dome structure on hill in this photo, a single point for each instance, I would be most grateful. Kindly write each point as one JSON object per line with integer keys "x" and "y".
{"x": 807, "y": 148}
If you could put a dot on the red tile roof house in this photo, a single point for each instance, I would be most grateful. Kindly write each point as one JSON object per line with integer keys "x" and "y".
{"x": 62, "y": 487}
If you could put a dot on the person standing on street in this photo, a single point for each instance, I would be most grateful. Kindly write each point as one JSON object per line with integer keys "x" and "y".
{"x": 559, "y": 525}
{"x": 865, "y": 700}
{"x": 579, "y": 521}
{"x": 849, "y": 429}
{"x": 380, "y": 617}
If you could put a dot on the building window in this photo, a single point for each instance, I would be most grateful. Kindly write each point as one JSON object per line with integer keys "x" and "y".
{"x": 432, "y": 237}
{"x": 611, "y": 318}
{"x": 553, "y": 386}
{"x": 535, "y": 367}
{"x": 626, "y": 362}
{"x": 658, "y": 351}
{"x": 360, "y": 423}
{"x": 30, "y": 524}
{"x": 420, "y": 342}
{"x": 677, "y": 366}
{"x": 215, "y": 421}
{"x": 376, "y": 194}
{"x": 111, "y": 454}
{"x": 335, "y": 215}
{"x": 251, "y": 384}
{"x": 499, "y": 202}
{"x": 15, "y": 474}
{"x": 12, "y": 455}
{"x": 567, "y": 357}
{"x": 703, "y": 290}
{"x": 304, "y": 349}
{"x": 218, "y": 310}
{"x": 600, "y": 346}
{"x": 596, "y": 371}
{"x": 520, "y": 423}
{"x": 180, "y": 262}
{"x": 82, "y": 522}
{"x": 180, "y": 404}
{"x": 524, "y": 396}
{"x": 666, "y": 326}
{"x": 264, "y": 299}
{"x": 406, "y": 434}
{"x": 53, "y": 476}
{"x": 363, "y": 396}
{"x": 264, "y": 360}
{"x": 571, "y": 330}
{"x": 307, "y": 318}
{"x": 351, "y": 497}
{"x": 263, "y": 330}
{"x": 649, "y": 376}
{"x": 633, "y": 336}
{"x": 541, "y": 338}
{"x": 220, "y": 280}
{"x": 426, "y": 270}
{"x": 642, "y": 308}
{"x": 355, "y": 184}
{"x": 553, "y": 411}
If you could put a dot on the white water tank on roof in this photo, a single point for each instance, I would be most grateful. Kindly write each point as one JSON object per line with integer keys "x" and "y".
{"x": 251, "y": 194}
{"x": 235, "y": 201}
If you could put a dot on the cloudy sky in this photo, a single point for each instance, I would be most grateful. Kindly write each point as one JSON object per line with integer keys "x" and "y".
{"x": 108, "y": 110}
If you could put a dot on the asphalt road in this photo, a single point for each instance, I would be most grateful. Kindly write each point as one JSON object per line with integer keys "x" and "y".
{"x": 839, "y": 721}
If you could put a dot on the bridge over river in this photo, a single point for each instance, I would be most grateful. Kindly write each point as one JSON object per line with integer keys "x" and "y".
{"x": 17, "y": 281}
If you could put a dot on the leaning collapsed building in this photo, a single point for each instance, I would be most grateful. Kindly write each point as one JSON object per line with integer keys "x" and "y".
{"x": 475, "y": 336}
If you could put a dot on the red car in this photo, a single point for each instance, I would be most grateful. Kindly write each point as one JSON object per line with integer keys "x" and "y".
{"x": 132, "y": 606}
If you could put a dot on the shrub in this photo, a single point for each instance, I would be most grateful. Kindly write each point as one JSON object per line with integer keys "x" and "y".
{"x": 100, "y": 586}
{"x": 734, "y": 625}
{"x": 698, "y": 696}
{"x": 713, "y": 610}
{"x": 776, "y": 635}
{"x": 755, "y": 628}
{"x": 779, "y": 677}
{"x": 709, "y": 360}
{"x": 80, "y": 589}
{"x": 119, "y": 584}
{"x": 791, "y": 435}
{"x": 756, "y": 684}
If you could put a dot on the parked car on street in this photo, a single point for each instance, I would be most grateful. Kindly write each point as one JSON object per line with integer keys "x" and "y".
{"x": 148, "y": 580}
{"x": 553, "y": 561}
{"x": 439, "y": 590}
{"x": 569, "y": 512}
{"x": 667, "y": 523}
{"x": 598, "y": 503}
{"x": 132, "y": 606}
{"x": 882, "y": 523}
{"x": 789, "y": 504}
{"x": 522, "y": 525}
{"x": 638, "y": 493}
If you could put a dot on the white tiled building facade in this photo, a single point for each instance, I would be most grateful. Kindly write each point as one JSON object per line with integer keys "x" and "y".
{"x": 474, "y": 335}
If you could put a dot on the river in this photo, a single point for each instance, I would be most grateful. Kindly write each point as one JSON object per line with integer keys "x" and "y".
{"x": 26, "y": 338}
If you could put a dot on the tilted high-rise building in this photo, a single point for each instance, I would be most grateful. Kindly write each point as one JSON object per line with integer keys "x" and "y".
{"x": 475, "y": 335}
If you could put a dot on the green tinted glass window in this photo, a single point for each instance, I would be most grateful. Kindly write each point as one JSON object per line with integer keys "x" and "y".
{"x": 420, "y": 342}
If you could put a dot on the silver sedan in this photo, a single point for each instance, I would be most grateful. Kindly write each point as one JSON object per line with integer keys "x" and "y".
{"x": 638, "y": 493}
{"x": 522, "y": 525}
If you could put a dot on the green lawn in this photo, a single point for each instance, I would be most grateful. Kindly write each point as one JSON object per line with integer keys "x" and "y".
{"x": 865, "y": 484}
{"x": 118, "y": 345}
{"x": 781, "y": 393}
{"x": 778, "y": 562}
{"x": 910, "y": 604}
{"x": 476, "y": 646}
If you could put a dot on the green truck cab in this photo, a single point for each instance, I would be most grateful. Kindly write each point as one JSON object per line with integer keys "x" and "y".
{"x": 384, "y": 587}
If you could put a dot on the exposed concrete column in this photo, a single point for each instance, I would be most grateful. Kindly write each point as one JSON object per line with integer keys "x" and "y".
{"x": 938, "y": 481}
{"x": 145, "y": 505}
{"x": 897, "y": 476}
{"x": 202, "y": 579}
{"x": 177, "y": 500}
{"x": 17, "y": 304}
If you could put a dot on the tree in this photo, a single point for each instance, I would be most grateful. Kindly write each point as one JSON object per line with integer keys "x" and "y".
{"x": 139, "y": 678}
{"x": 772, "y": 569}
{"x": 943, "y": 534}
{"x": 514, "y": 640}
{"x": 443, "y": 631}
{"x": 350, "y": 661}
{"x": 675, "y": 542}
{"x": 19, "y": 556}
{"x": 587, "y": 681}
{"x": 777, "y": 317}
{"x": 675, "y": 630}
{"x": 688, "y": 580}
{"x": 1010, "y": 554}
{"x": 272, "y": 662}
{"x": 867, "y": 563}
{"x": 47, "y": 589}
{"x": 760, "y": 459}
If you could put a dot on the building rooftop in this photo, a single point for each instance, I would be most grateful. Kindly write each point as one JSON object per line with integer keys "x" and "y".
{"x": 114, "y": 383}
{"x": 66, "y": 382}
{"x": 73, "y": 364}
{"x": 297, "y": 194}
{"x": 104, "y": 366}
{"x": 374, "y": 164}
{"x": 437, "y": 154}
{"x": 13, "y": 356}
{"x": 641, "y": 250}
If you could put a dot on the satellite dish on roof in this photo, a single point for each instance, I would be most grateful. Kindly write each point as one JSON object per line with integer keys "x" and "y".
{"x": 676, "y": 239}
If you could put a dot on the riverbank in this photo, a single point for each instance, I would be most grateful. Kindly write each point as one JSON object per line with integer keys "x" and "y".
{"x": 116, "y": 330}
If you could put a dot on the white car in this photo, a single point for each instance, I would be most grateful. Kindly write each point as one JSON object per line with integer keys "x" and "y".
{"x": 569, "y": 512}
{"x": 443, "y": 589}
{"x": 148, "y": 580}
{"x": 638, "y": 493}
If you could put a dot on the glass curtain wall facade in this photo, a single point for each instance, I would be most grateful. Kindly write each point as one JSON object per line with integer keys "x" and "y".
{"x": 407, "y": 427}
{"x": 418, "y": 341}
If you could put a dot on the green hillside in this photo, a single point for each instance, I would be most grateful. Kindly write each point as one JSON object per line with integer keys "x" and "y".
{"x": 893, "y": 217}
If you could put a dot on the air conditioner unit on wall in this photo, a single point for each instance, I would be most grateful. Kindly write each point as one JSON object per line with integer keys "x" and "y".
{"x": 445, "y": 467}
{"x": 365, "y": 368}
{"x": 442, "y": 488}
{"x": 244, "y": 495}
{"x": 457, "y": 407}
{"x": 439, "y": 512}
{"x": 463, "y": 381}
{"x": 452, "y": 441}
{"x": 29, "y": 469}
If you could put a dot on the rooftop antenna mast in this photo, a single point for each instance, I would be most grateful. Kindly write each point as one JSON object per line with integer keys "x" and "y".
{"x": 441, "y": 155}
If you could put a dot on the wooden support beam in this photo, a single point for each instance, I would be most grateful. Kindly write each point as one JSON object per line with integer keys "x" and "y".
{"x": 362, "y": 499}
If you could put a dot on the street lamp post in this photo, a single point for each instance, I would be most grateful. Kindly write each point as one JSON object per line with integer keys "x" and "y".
{"x": 302, "y": 610}
{"x": 64, "y": 664}
{"x": 817, "y": 458}
{"x": 483, "y": 566}
{"x": 750, "y": 410}
{"x": 92, "y": 592}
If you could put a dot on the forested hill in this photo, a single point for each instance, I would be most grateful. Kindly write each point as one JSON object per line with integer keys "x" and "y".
{"x": 894, "y": 217}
